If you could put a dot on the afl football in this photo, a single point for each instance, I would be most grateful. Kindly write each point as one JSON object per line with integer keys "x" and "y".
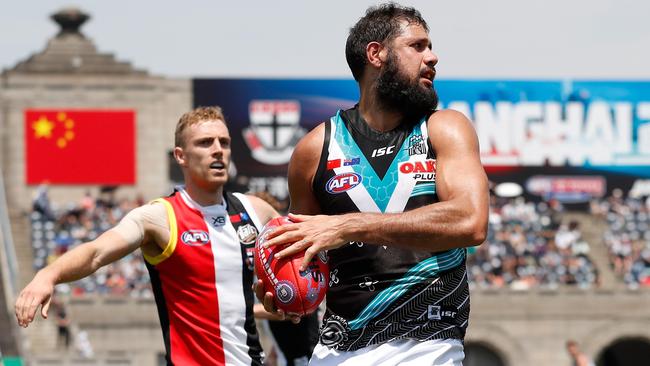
{"x": 294, "y": 291}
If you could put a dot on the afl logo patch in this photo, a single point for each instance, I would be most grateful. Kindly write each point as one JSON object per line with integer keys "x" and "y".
{"x": 195, "y": 238}
{"x": 343, "y": 182}
{"x": 285, "y": 292}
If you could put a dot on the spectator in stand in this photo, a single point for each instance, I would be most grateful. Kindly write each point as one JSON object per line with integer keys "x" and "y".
{"x": 41, "y": 202}
{"x": 85, "y": 221}
{"x": 527, "y": 247}
{"x": 87, "y": 202}
{"x": 627, "y": 236}
{"x": 62, "y": 323}
{"x": 578, "y": 357}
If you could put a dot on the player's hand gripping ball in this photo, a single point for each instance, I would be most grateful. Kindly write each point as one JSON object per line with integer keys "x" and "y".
{"x": 294, "y": 291}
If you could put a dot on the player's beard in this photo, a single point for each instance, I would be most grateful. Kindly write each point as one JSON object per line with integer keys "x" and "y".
{"x": 397, "y": 93}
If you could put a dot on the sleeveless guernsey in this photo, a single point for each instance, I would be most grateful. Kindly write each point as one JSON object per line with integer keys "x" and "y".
{"x": 381, "y": 293}
{"x": 202, "y": 282}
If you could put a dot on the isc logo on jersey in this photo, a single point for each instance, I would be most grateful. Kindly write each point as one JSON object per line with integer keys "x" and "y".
{"x": 419, "y": 170}
{"x": 343, "y": 182}
{"x": 195, "y": 238}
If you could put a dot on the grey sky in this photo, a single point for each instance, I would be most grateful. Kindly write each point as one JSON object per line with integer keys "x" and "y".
{"x": 602, "y": 39}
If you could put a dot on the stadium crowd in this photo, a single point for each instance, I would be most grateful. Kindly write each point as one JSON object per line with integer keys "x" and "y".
{"x": 627, "y": 236}
{"x": 56, "y": 229}
{"x": 528, "y": 246}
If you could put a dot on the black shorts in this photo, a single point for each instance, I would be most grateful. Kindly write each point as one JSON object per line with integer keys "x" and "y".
{"x": 296, "y": 340}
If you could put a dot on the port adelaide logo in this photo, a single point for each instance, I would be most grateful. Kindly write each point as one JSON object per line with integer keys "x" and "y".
{"x": 274, "y": 130}
{"x": 416, "y": 145}
{"x": 195, "y": 238}
{"x": 343, "y": 182}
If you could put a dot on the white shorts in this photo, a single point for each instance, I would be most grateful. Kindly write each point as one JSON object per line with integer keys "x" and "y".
{"x": 439, "y": 352}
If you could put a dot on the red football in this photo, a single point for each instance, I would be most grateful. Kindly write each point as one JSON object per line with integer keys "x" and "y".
{"x": 294, "y": 291}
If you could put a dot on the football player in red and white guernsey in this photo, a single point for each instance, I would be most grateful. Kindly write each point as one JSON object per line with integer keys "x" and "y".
{"x": 197, "y": 244}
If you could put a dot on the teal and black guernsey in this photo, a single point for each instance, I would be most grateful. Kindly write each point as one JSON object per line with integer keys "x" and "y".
{"x": 383, "y": 293}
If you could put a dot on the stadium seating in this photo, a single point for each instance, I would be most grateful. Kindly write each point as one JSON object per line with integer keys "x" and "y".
{"x": 529, "y": 246}
{"x": 55, "y": 231}
{"x": 627, "y": 236}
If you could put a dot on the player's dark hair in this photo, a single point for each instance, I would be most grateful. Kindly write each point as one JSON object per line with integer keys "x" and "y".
{"x": 380, "y": 24}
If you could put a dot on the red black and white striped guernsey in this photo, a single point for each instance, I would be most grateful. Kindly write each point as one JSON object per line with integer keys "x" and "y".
{"x": 202, "y": 282}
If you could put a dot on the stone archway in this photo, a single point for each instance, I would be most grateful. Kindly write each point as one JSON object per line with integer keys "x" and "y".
{"x": 610, "y": 334}
{"x": 509, "y": 351}
{"x": 625, "y": 351}
{"x": 482, "y": 354}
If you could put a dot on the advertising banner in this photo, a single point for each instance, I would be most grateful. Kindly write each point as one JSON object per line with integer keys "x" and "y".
{"x": 568, "y": 139}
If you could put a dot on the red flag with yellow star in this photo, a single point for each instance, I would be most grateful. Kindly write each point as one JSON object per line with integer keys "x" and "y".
{"x": 80, "y": 146}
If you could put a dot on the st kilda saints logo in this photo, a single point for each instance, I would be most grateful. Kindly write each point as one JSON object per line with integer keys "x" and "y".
{"x": 274, "y": 130}
{"x": 247, "y": 234}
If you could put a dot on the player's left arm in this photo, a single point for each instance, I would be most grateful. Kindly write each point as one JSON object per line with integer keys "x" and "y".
{"x": 459, "y": 219}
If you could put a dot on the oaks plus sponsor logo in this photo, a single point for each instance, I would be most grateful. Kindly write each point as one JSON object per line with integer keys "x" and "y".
{"x": 421, "y": 171}
{"x": 195, "y": 238}
{"x": 343, "y": 182}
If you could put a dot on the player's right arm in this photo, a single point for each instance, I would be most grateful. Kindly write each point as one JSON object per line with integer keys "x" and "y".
{"x": 141, "y": 226}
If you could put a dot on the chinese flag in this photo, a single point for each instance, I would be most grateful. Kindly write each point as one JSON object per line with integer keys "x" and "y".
{"x": 80, "y": 146}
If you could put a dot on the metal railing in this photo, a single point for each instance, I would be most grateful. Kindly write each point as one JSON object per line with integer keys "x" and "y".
{"x": 8, "y": 260}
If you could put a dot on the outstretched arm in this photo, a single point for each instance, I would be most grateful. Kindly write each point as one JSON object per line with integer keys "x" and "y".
{"x": 458, "y": 220}
{"x": 82, "y": 261}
